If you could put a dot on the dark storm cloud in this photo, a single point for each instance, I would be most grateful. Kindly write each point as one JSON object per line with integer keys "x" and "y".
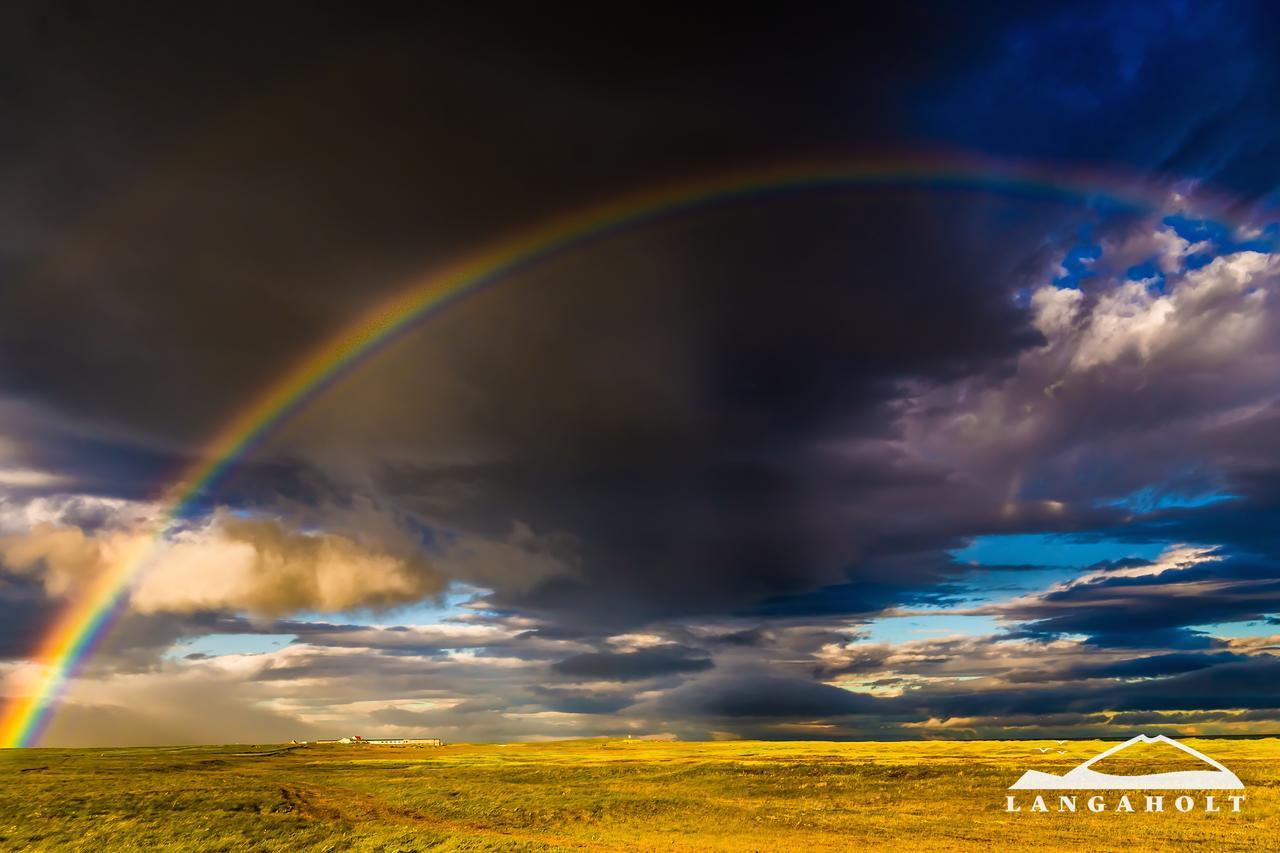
{"x": 748, "y": 638}
{"x": 1142, "y": 667}
{"x": 771, "y": 697}
{"x": 25, "y": 616}
{"x": 679, "y": 377}
{"x": 187, "y": 179}
{"x": 1141, "y": 718}
{"x": 631, "y": 666}
{"x": 710, "y": 433}
{"x": 1133, "y": 610}
{"x": 569, "y": 701}
{"x": 1232, "y": 685}
{"x": 1244, "y": 454}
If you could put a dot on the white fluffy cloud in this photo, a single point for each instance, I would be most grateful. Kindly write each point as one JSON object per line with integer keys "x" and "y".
{"x": 1207, "y": 314}
{"x": 341, "y": 560}
{"x": 266, "y": 568}
{"x": 1054, "y": 309}
{"x": 259, "y": 566}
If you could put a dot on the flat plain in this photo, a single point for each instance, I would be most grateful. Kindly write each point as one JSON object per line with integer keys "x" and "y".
{"x": 600, "y": 795}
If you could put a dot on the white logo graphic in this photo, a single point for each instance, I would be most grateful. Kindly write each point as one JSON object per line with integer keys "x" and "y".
{"x": 1084, "y": 777}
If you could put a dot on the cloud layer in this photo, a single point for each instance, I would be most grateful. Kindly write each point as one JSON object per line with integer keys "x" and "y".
{"x": 825, "y": 463}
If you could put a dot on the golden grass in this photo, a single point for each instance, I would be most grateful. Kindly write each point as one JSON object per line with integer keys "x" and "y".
{"x": 599, "y": 795}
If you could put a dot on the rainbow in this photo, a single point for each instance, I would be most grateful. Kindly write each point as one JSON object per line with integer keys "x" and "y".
{"x": 90, "y": 616}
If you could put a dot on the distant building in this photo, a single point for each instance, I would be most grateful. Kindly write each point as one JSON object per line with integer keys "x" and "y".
{"x": 384, "y": 741}
{"x": 405, "y": 741}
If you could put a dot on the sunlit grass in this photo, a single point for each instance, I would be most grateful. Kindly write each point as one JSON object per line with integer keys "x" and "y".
{"x": 604, "y": 795}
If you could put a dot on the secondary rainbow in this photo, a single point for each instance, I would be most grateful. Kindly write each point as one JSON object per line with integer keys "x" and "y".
{"x": 88, "y": 618}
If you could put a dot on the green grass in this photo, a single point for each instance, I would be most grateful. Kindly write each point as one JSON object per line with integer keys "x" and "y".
{"x": 602, "y": 795}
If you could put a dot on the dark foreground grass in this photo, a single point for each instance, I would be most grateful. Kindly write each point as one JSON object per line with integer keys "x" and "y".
{"x": 603, "y": 795}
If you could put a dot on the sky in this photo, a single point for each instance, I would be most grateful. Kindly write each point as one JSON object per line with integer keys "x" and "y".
{"x": 843, "y": 462}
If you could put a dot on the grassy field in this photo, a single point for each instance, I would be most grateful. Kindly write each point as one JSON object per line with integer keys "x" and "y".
{"x": 601, "y": 795}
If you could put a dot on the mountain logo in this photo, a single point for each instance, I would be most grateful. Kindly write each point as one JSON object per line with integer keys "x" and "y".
{"x": 1084, "y": 777}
